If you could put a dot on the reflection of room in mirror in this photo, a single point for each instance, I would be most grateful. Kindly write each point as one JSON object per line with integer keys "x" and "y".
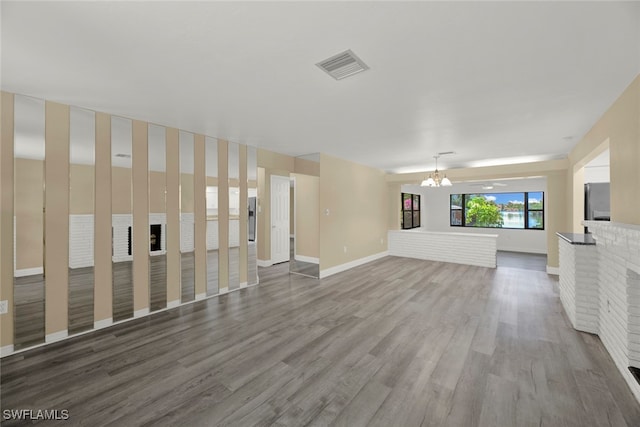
{"x": 122, "y": 218}
{"x": 103, "y": 230}
{"x": 187, "y": 218}
{"x": 305, "y": 216}
{"x": 234, "y": 215}
{"x": 252, "y": 215}
{"x": 28, "y": 238}
{"x": 157, "y": 162}
{"x": 81, "y": 219}
{"x": 211, "y": 171}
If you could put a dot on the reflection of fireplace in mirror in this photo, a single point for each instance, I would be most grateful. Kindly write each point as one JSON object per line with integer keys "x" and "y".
{"x": 155, "y": 237}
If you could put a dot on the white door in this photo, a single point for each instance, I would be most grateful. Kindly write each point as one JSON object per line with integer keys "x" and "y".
{"x": 280, "y": 194}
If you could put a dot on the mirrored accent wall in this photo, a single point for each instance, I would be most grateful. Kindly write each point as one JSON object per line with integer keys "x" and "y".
{"x": 252, "y": 219}
{"x": 305, "y": 216}
{"x": 187, "y": 219}
{"x": 211, "y": 154}
{"x": 28, "y": 222}
{"x": 157, "y": 217}
{"x": 234, "y": 216}
{"x": 122, "y": 218}
{"x": 82, "y": 144}
{"x": 115, "y": 187}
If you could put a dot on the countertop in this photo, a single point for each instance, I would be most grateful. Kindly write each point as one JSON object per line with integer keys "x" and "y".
{"x": 577, "y": 238}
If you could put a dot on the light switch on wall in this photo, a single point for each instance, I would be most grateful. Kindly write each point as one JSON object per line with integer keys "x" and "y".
{"x": 4, "y": 307}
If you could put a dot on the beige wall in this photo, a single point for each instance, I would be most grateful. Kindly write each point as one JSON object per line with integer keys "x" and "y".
{"x": 620, "y": 128}
{"x": 157, "y": 188}
{"x": 200, "y": 216}
{"x": 292, "y": 213}
{"x": 307, "y": 215}
{"x": 223, "y": 213}
{"x": 357, "y": 199}
{"x": 306, "y": 167}
{"x": 82, "y": 188}
{"x": 121, "y": 187}
{"x": 186, "y": 193}
{"x": 6, "y": 217}
{"x": 29, "y": 202}
{"x": 56, "y": 218}
{"x": 173, "y": 215}
{"x": 103, "y": 273}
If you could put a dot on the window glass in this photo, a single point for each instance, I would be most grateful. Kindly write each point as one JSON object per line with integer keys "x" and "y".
{"x": 498, "y": 210}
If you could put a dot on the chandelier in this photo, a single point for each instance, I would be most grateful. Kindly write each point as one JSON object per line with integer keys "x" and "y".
{"x": 434, "y": 179}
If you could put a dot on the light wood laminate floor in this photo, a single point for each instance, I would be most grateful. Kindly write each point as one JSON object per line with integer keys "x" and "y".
{"x": 394, "y": 342}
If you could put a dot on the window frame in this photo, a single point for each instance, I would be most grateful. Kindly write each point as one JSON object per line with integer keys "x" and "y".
{"x": 526, "y": 210}
{"x": 413, "y": 211}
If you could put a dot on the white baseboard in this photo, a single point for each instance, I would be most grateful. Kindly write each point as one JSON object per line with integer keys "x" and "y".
{"x": 305, "y": 258}
{"x": 99, "y": 324}
{"x": 222, "y": 291}
{"x": 201, "y": 296}
{"x": 553, "y": 270}
{"x": 141, "y": 312}
{"x": 174, "y": 303}
{"x": 264, "y": 263}
{"x": 23, "y": 272}
{"x": 243, "y": 285}
{"x": 523, "y": 250}
{"x": 351, "y": 264}
{"x": 56, "y": 336}
{"x": 6, "y": 350}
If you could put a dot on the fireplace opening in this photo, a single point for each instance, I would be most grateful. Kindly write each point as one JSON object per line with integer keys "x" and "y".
{"x": 155, "y": 237}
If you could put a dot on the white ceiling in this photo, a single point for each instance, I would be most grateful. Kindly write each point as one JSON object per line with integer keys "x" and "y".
{"x": 495, "y": 82}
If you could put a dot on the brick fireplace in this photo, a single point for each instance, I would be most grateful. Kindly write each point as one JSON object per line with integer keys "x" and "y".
{"x": 618, "y": 281}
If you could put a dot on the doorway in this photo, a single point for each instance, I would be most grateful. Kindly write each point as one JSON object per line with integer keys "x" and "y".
{"x": 280, "y": 243}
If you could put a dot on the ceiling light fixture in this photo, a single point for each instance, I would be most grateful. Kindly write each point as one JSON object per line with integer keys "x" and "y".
{"x": 434, "y": 179}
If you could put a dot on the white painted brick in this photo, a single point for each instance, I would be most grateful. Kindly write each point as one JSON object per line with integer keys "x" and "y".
{"x": 468, "y": 249}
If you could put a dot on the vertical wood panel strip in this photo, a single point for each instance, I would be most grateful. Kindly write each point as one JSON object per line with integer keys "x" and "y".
{"x": 173, "y": 217}
{"x": 200, "y": 216}
{"x": 56, "y": 220}
{"x": 6, "y": 221}
{"x": 244, "y": 216}
{"x": 103, "y": 288}
{"x": 223, "y": 215}
{"x": 140, "y": 172}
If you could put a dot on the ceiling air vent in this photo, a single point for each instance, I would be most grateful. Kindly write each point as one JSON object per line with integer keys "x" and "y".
{"x": 343, "y": 65}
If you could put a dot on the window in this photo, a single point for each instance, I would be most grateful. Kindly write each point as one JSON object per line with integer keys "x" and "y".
{"x": 498, "y": 210}
{"x": 410, "y": 210}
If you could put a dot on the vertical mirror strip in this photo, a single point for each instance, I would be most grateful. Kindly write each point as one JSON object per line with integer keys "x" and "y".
{"x": 7, "y": 235}
{"x": 82, "y": 135}
{"x": 103, "y": 287}
{"x": 122, "y": 218}
{"x": 187, "y": 217}
{"x": 200, "y": 216}
{"x": 234, "y": 216}
{"x": 211, "y": 154}
{"x": 252, "y": 203}
{"x": 29, "y": 281}
{"x": 56, "y": 220}
{"x": 157, "y": 217}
